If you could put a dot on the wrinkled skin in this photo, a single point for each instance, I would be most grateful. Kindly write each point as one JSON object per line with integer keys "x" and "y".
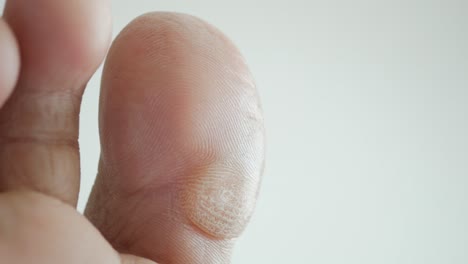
{"x": 181, "y": 134}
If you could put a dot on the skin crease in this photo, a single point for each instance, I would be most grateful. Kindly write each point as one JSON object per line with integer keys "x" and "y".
{"x": 181, "y": 134}
{"x": 189, "y": 175}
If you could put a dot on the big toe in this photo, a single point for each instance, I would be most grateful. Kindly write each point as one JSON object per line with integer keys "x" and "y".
{"x": 182, "y": 142}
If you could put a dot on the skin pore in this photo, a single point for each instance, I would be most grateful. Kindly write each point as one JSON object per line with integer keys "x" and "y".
{"x": 181, "y": 131}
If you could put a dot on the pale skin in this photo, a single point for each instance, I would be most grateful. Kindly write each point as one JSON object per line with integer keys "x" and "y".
{"x": 181, "y": 134}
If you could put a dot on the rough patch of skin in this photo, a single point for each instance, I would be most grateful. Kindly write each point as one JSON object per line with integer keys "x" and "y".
{"x": 219, "y": 201}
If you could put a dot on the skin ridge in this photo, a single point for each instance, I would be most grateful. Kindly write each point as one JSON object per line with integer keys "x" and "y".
{"x": 40, "y": 140}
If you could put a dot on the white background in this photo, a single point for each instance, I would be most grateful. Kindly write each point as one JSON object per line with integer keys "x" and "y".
{"x": 367, "y": 118}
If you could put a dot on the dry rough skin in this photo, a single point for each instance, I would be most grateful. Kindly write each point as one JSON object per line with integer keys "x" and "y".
{"x": 219, "y": 201}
